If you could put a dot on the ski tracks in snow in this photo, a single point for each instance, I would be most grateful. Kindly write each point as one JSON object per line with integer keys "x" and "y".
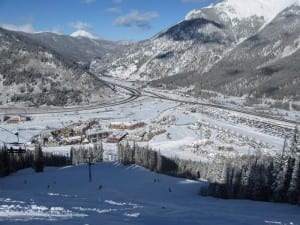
{"x": 15, "y": 210}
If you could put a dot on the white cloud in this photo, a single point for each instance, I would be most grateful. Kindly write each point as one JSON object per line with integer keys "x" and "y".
{"x": 114, "y": 10}
{"x": 136, "y": 19}
{"x": 28, "y": 27}
{"x": 81, "y": 25}
{"x": 88, "y": 1}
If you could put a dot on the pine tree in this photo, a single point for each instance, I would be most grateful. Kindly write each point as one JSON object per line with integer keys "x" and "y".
{"x": 4, "y": 162}
{"x": 38, "y": 163}
{"x": 72, "y": 155}
{"x": 284, "y": 167}
{"x": 295, "y": 144}
{"x": 279, "y": 170}
{"x": 293, "y": 193}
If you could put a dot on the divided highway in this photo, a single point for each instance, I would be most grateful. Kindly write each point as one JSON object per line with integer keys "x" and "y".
{"x": 134, "y": 94}
{"x": 278, "y": 121}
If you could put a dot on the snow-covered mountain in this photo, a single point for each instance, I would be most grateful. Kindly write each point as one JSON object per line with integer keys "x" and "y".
{"x": 33, "y": 74}
{"x": 178, "y": 49}
{"x": 206, "y": 37}
{"x": 243, "y": 18}
{"x": 197, "y": 42}
{"x": 248, "y": 35}
{"x": 79, "y": 48}
{"x": 83, "y": 33}
{"x": 239, "y": 10}
{"x": 264, "y": 65}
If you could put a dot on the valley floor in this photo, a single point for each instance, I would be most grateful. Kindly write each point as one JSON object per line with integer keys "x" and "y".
{"x": 124, "y": 195}
{"x": 179, "y": 130}
{"x": 132, "y": 195}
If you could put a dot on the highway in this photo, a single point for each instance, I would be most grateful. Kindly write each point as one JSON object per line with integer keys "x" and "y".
{"x": 134, "y": 94}
{"x": 276, "y": 121}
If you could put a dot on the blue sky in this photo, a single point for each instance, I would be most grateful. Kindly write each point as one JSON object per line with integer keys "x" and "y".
{"x": 108, "y": 19}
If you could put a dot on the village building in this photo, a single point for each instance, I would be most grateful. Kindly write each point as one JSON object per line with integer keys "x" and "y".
{"x": 82, "y": 127}
{"x": 97, "y": 135}
{"x": 116, "y": 137}
{"x": 16, "y": 119}
{"x": 61, "y": 132}
{"x": 74, "y": 140}
{"x": 126, "y": 125}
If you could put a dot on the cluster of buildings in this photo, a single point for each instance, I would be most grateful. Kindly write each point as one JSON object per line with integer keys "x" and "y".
{"x": 86, "y": 132}
{"x": 14, "y": 119}
{"x": 126, "y": 125}
{"x": 91, "y": 131}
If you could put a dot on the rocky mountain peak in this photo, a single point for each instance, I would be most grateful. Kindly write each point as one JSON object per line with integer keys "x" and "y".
{"x": 239, "y": 10}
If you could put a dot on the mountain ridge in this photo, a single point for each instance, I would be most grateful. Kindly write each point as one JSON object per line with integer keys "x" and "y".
{"x": 32, "y": 74}
{"x": 196, "y": 47}
{"x": 184, "y": 51}
{"x": 217, "y": 45}
{"x": 263, "y": 65}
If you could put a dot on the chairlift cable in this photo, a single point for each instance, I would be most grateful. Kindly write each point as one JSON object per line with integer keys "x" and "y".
{"x": 14, "y": 133}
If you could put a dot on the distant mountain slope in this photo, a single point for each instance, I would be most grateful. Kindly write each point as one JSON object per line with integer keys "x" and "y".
{"x": 248, "y": 47}
{"x": 197, "y": 43}
{"x": 264, "y": 65}
{"x": 189, "y": 45}
{"x": 32, "y": 74}
{"x": 78, "y": 48}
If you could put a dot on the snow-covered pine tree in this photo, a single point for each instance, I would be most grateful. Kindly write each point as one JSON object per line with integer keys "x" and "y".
{"x": 283, "y": 169}
{"x": 293, "y": 193}
{"x": 244, "y": 191}
{"x": 295, "y": 143}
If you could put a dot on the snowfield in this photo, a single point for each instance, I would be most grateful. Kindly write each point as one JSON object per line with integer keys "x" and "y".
{"x": 124, "y": 195}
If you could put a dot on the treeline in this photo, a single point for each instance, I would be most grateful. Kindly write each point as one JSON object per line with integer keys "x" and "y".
{"x": 12, "y": 162}
{"x": 147, "y": 158}
{"x": 82, "y": 154}
{"x": 258, "y": 178}
{"x": 37, "y": 159}
{"x": 52, "y": 96}
{"x": 261, "y": 177}
{"x": 255, "y": 177}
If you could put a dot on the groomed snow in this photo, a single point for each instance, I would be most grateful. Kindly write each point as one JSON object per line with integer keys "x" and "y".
{"x": 124, "y": 195}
